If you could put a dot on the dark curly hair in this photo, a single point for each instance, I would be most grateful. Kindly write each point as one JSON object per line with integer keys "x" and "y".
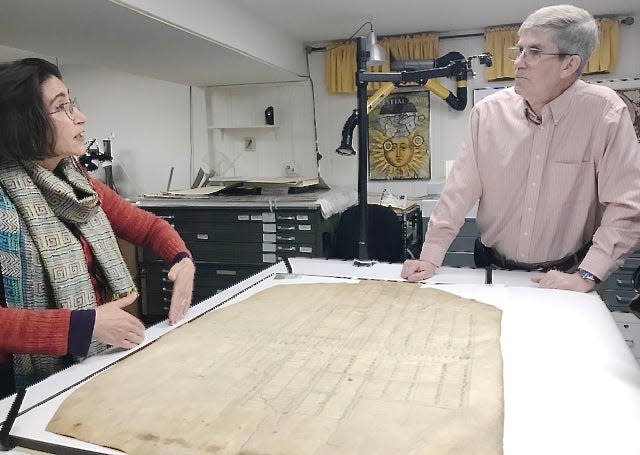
{"x": 26, "y": 131}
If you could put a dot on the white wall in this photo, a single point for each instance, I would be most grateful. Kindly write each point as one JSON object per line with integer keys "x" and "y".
{"x": 156, "y": 124}
{"x": 150, "y": 121}
{"x": 290, "y": 142}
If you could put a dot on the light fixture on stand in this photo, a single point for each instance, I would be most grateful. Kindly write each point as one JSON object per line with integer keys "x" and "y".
{"x": 376, "y": 54}
{"x": 365, "y": 49}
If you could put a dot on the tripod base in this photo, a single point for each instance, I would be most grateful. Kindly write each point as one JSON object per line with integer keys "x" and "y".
{"x": 363, "y": 262}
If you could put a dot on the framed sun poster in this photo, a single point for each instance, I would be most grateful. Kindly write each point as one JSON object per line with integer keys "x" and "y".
{"x": 399, "y": 137}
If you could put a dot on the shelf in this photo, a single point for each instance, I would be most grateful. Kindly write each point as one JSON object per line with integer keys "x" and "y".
{"x": 242, "y": 127}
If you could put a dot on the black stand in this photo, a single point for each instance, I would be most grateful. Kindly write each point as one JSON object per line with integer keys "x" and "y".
{"x": 488, "y": 278}
{"x": 6, "y": 442}
{"x": 456, "y": 68}
{"x": 363, "y": 157}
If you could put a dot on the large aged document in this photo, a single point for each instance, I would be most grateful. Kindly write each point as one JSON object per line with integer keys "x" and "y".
{"x": 369, "y": 368}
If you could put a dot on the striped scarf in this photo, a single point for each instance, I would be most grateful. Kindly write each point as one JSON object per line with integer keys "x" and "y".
{"x": 43, "y": 263}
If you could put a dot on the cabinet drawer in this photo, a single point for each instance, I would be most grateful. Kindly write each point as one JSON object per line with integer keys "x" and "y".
{"x": 293, "y": 236}
{"x": 231, "y": 232}
{"x": 632, "y": 263}
{"x": 469, "y": 229}
{"x": 617, "y": 299}
{"x": 293, "y": 216}
{"x": 620, "y": 280}
{"x": 462, "y": 244}
{"x": 182, "y": 217}
{"x": 217, "y": 275}
{"x": 156, "y": 288}
{"x": 459, "y": 259}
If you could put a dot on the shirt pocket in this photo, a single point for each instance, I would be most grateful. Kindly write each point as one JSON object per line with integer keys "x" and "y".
{"x": 570, "y": 180}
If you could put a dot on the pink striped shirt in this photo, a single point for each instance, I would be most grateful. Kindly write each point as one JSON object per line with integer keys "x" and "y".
{"x": 545, "y": 190}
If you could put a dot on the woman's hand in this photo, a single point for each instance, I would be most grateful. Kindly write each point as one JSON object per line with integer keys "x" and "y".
{"x": 117, "y": 327}
{"x": 181, "y": 274}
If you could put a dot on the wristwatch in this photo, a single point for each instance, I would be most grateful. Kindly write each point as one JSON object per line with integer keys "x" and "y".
{"x": 586, "y": 275}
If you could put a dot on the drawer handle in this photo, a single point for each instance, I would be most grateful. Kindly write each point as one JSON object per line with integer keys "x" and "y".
{"x": 286, "y": 239}
{"x": 167, "y": 217}
{"x": 619, "y": 299}
{"x": 286, "y": 228}
{"x": 621, "y": 282}
{"x": 286, "y": 248}
{"x": 287, "y": 218}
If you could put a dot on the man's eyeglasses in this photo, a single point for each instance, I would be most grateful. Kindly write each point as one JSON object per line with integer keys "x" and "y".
{"x": 69, "y": 108}
{"x": 531, "y": 54}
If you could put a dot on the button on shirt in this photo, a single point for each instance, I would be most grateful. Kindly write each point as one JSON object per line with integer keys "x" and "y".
{"x": 546, "y": 189}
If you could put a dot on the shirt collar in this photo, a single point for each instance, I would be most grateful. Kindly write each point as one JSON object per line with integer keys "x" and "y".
{"x": 557, "y": 108}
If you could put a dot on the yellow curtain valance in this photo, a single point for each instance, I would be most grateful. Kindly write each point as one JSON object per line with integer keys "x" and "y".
{"x": 498, "y": 39}
{"x": 603, "y": 59}
{"x": 340, "y": 67}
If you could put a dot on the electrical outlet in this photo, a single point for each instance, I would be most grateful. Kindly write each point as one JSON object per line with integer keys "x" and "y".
{"x": 249, "y": 144}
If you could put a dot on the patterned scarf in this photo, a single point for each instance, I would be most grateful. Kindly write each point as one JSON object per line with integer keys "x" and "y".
{"x": 43, "y": 263}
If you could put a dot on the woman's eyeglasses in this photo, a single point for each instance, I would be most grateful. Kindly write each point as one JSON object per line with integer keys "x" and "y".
{"x": 69, "y": 108}
{"x": 530, "y": 54}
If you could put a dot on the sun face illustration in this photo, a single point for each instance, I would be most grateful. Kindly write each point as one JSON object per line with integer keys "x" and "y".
{"x": 398, "y": 156}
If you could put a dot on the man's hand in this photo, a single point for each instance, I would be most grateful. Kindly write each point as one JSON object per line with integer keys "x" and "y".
{"x": 117, "y": 327}
{"x": 181, "y": 274}
{"x": 416, "y": 270}
{"x": 555, "y": 279}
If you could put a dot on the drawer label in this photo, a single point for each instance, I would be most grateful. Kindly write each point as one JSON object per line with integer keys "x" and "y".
{"x": 269, "y": 257}
{"x": 256, "y": 217}
{"x": 269, "y": 247}
{"x": 202, "y": 236}
{"x": 302, "y": 217}
{"x": 269, "y": 217}
{"x": 269, "y": 238}
{"x": 306, "y": 249}
{"x": 304, "y": 227}
{"x": 243, "y": 217}
{"x": 268, "y": 227}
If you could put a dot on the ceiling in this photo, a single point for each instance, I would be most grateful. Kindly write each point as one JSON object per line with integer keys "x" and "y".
{"x": 320, "y": 20}
{"x": 104, "y": 33}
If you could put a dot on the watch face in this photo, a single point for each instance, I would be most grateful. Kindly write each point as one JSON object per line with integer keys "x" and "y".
{"x": 587, "y": 275}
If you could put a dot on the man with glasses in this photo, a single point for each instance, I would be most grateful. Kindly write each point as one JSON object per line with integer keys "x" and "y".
{"x": 553, "y": 161}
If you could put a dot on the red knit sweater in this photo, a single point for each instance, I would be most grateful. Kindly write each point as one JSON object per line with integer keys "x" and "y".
{"x": 47, "y": 331}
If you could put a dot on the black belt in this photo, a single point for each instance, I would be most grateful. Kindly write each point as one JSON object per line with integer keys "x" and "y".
{"x": 484, "y": 256}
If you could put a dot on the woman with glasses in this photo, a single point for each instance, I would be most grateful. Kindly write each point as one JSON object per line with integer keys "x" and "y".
{"x": 65, "y": 284}
{"x": 553, "y": 161}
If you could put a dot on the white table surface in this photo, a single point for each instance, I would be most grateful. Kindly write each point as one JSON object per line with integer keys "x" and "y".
{"x": 571, "y": 384}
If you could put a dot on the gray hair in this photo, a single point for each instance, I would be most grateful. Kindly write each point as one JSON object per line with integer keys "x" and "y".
{"x": 576, "y": 30}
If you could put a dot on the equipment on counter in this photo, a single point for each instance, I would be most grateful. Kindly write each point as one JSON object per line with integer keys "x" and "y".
{"x": 105, "y": 158}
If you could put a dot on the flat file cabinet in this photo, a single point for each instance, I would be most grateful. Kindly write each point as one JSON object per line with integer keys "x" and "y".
{"x": 617, "y": 290}
{"x": 230, "y": 243}
{"x": 411, "y": 227}
{"x": 460, "y": 253}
